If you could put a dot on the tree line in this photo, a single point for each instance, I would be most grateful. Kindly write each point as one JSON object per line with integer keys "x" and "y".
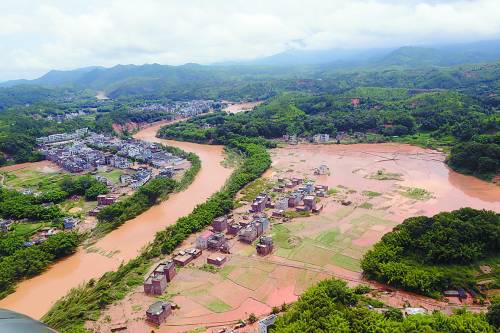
{"x": 330, "y": 306}
{"x": 18, "y": 261}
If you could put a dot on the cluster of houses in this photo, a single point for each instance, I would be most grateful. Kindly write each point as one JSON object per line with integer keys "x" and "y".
{"x": 76, "y": 157}
{"x": 183, "y": 109}
{"x": 297, "y": 194}
{"x": 67, "y": 116}
{"x": 215, "y": 241}
{"x": 317, "y": 138}
{"x": 95, "y": 150}
{"x": 321, "y": 138}
{"x": 60, "y": 137}
{"x": 135, "y": 150}
{"x": 325, "y": 138}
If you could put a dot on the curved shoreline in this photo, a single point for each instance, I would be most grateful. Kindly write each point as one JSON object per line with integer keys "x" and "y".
{"x": 35, "y": 296}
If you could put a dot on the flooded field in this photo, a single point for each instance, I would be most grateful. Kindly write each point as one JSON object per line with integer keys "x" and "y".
{"x": 35, "y": 296}
{"x": 372, "y": 189}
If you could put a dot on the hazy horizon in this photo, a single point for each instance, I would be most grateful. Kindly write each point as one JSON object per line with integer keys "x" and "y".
{"x": 56, "y": 35}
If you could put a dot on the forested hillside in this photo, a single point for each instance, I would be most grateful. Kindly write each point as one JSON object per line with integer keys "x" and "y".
{"x": 430, "y": 118}
{"x": 431, "y": 254}
{"x": 331, "y": 306}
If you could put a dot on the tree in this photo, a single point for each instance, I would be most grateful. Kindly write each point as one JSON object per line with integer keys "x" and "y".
{"x": 94, "y": 190}
{"x": 493, "y": 314}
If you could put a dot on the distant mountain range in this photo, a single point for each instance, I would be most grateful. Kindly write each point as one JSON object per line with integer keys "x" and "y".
{"x": 151, "y": 76}
{"x": 406, "y": 56}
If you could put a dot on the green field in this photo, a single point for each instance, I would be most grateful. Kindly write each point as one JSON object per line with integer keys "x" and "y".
{"x": 26, "y": 228}
{"x": 328, "y": 237}
{"x": 218, "y": 306}
{"x": 113, "y": 175}
{"x": 246, "y": 277}
{"x": 35, "y": 180}
{"x": 299, "y": 242}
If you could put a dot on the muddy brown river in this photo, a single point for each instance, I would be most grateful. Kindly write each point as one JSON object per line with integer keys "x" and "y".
{"x": 349, "y": 166}
{"x": 35, "y": 296}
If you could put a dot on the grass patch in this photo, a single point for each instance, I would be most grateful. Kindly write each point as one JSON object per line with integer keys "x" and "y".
{"x": 283, "y": 238}
{"x": 232, "y": 158}
{"x": 198, "y": 330}
{"x": 218, "y": 306}
{"x": 113, "y": 175}
{"x": 226, "y": 270}
{"x": 346, "y": 262}
{"x": 311, "y": 254}
{"x": 248, "y": 276}
{"x": 382, "y": 174}
{"x": 328, "y": 237}
{"x": 371, "y": 194}
{"x": 252, "y": 190}
{"x": 425, "y": 140}
{"x": 26, "y": 228}
{"x": 416, "y": 193}
{"x": 366, "y": 205}
{"x": 35, "y": 180}
{"x": 294, "y": 214}
{"x": 333, "y": 191}
{"x": 209, "y": 268}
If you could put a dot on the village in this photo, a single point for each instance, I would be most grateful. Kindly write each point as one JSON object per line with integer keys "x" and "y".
{"x": 182, "y": 109}
{"x": 247, "y": 227}
{"x": 121, "y": 165}
{"x": 135, "y": 161}
{"x": 306, "y": 220}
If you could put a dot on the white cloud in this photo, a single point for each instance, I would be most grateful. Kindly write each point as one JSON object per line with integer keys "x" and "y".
{"x": 38, "y": 35}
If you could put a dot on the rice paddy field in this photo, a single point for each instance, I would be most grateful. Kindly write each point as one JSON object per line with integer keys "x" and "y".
{"x": 372, "y": 189}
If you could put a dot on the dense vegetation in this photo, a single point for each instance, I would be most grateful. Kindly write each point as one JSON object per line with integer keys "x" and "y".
{"x": 19, "y": 258}
{"x": 331, "y": 306}
{"x": 18, "y": 206}
{"x": 84, "y": 303}
{"x": 423, "y": 117}
{"x": 18, "y": 261}
{"x": 479, "y": 157}
{"x": 430, "y": 254}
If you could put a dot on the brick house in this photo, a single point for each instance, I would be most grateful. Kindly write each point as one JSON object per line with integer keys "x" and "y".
{"x": 216, "y": 260}
{"x": 155, "y": 284}
{"x": 202, "y": 240}
{"x": 234, "y": 228}
{"x": 215, "y": 241}
{"x": 294, "y": 199}
{"x": 166, "y": 268}
{"x": 158, "y": 312}
{"x": 248, "y": 234}
{"x": 105, "y": 199}
{"x": 310, "y": 202}
{"x": 220, "y": 224}
{"x": 265, "y": 245}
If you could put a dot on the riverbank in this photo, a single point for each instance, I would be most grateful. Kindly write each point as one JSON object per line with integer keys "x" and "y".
{"x": 88, "y": 301}
{"x": 35, "y": 296}
{"x": 311, "y": 249}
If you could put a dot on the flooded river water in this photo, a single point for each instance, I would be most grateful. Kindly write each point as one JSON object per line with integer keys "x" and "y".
{"x": 353, "y": 166}
{"x": 35, "y": 296}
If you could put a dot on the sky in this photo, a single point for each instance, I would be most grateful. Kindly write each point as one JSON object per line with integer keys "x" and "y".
{"x": 39, "y": 35}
